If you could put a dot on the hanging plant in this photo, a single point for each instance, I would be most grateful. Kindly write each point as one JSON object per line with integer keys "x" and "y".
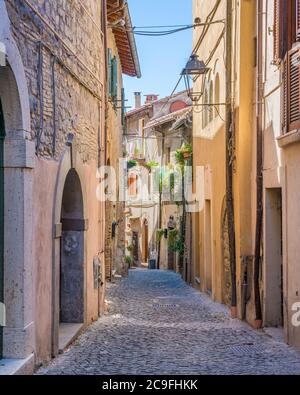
{"x": 131, "y": 163}
{"x": 150, "y": 165}
{"x": 179, "y": 157}
{"x": 130, "y": 248}
{"x": 159, "y": 235}
{"x": 183, "y": 154}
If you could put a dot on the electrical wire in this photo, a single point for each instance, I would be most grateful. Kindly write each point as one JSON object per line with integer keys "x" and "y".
{"x": 159, "y": 33}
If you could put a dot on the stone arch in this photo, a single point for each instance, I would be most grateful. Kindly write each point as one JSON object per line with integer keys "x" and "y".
{"x": 226, "y": 268}
{"x": 18, "y": 285}
{"x": 15, "y": 81}
{"x": 67, "y": 222}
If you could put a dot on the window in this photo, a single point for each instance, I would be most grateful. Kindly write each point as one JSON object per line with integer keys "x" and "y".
{"x": 286, "y": 27}
{"x": 112, "y": 77}
{"x": 286, "y": 34}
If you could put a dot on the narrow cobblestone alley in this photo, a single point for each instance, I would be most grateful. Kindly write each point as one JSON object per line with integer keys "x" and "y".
{"x": 159, "y": 325}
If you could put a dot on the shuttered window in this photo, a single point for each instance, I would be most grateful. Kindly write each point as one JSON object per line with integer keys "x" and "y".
{"x": 298, "y": 20}
{"x": 277, "y": 30}
{"x": 112, "y": 78}
{"x": 287, "y": 33}
{"x": 291, "y": 92}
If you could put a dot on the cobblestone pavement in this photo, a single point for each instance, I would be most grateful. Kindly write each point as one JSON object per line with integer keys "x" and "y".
{"x": 159, "y": 325}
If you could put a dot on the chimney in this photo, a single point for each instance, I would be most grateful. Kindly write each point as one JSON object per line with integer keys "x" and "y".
{"x": 151, "y": 98}
{"x": 138, "y": 99}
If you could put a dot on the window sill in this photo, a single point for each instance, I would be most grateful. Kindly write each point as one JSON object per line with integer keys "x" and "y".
{"x": 290, "y": 138}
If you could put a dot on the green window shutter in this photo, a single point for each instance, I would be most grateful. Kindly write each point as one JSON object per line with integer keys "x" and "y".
{"x": 115, "y": 79}
{"x": 109, "y": 82}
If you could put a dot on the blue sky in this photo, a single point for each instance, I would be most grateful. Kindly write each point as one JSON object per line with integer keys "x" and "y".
{"x": 161, "y": 58}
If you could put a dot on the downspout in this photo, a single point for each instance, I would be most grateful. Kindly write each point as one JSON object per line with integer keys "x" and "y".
{"x": 105, "y": 96}
{"x": 102, "y": 142}
{"x": 229, "y": 125}
{"x": 259, "y": 176}
{"x": 160, "y": 194}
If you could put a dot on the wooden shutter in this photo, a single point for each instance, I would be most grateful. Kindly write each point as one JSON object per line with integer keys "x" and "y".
{"x": 292, "y": 95}
{"x": 298, "y": 20}
{"x": 284, "y": 93}
{"x": 115, "y": 78}
{"x": 276, "y": 41}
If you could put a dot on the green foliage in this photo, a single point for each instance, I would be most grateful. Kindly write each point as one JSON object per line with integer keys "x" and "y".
{"x": 150, "y": 165}
{"x": 179, "y": 157}
{"x": 128, "y": 260}
{"x": 172, "y": 239}
{"x": 131, "y": 163}
{"x": 130, "y": 248}
{"x": 181, "y": 153}
{"x": 159, "y": 235}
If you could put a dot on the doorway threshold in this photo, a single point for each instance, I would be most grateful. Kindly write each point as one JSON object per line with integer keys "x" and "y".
{"x": 67, "y": 334}
{"x": 11, "y": 367}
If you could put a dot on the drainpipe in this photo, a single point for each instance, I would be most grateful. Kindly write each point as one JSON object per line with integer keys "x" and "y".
{"x": 230, "y": 157}
{"x": 259, "y": 164}
{"x": 160, "y": 195}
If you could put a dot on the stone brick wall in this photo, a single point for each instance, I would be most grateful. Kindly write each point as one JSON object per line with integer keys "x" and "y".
{"x": 62, "y": 52}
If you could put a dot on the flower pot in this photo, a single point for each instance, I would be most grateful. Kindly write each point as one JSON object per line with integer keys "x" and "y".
{"x": 187, "y": 155}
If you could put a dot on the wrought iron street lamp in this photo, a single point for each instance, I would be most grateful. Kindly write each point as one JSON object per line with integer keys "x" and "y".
{"x": 194, "y": 68}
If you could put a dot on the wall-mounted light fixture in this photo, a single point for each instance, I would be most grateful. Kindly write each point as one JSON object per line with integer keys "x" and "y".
{"x": 194, "y": 68}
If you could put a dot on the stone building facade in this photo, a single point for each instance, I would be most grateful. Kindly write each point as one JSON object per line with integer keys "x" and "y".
{"x": 154, "y": 131}
{"x": 122, "y": 59}
{"x": 52, "y": 92}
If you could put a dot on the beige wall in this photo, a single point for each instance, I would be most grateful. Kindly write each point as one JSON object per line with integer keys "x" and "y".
{"x": 114, "y": 249}
{"x": 210, "y": 144}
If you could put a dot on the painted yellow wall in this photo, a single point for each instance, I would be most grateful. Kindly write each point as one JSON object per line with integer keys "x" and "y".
{"x": 210, "y": 144}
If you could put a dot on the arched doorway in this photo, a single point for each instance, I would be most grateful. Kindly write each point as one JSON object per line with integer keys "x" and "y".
{"x": 226, "y": 275}
{"x": 71, "y": 298}
{"x": 145, "y": 241}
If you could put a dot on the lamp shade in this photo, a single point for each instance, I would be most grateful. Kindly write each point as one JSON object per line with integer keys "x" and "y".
{"x": 195, "y": 67}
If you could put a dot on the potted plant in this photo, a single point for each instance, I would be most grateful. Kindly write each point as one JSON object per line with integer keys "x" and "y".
{"x": 187, "y": 151}
{"x": 150, "y": 165}
{"x": 131, "y": 163}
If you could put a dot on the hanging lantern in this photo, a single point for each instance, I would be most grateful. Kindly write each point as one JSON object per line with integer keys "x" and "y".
{"x": 193, "y": 69}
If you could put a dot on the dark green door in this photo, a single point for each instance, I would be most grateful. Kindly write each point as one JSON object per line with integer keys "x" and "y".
{"x": 2, "y": 136}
